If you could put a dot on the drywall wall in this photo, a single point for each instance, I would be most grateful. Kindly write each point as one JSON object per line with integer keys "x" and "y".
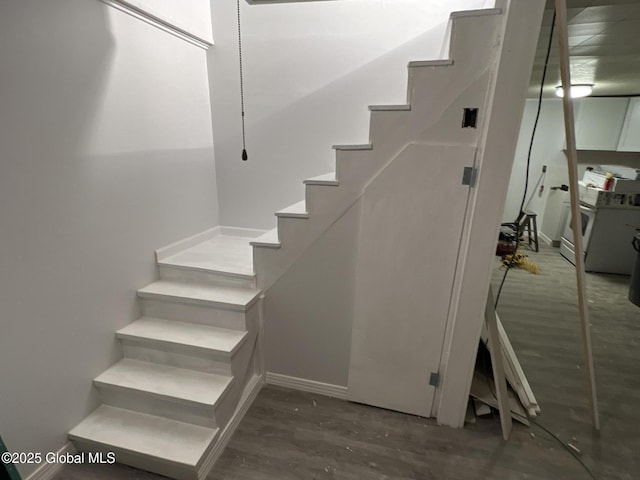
{"x": 106, "y": 153}
{"x": 311, "y": 69}
{"x": 547, "y": 150}
{"x": 309, "y": 310}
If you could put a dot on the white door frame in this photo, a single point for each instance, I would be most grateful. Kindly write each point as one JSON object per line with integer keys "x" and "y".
{"x": 496, "y": 151}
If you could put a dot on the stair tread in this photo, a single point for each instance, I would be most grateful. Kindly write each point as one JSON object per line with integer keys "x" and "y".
{"x": 476, "y": 13}
{"x": 169, "y": 440}
{"x": 223, "y": 296}
{"x": 222, "y": 253}
{"x": 365, "y": 146}
{"x": 179, "y": 383}
{"x": 389, "y": 108}
{"x": 431, "y": 63}
{"x": 184, "y": 333}
{"x": 326, "y": 179}
{"x": 298, "y": 210}
{"x": 269, "y": 239}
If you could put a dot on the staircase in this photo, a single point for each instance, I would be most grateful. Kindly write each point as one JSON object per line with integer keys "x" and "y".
{"x": 191, "y": 363}
{"x": 438, "y": 92}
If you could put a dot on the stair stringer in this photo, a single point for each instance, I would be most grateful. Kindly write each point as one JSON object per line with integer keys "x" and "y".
{"x": 437, "y": 93}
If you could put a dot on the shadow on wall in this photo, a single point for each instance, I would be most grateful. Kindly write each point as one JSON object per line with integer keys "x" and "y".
{"x": 55, "y": 61}
{"x": 105, "y": 155}
{"x": 295, "y": 143}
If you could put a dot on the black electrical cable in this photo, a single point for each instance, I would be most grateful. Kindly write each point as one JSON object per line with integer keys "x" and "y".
{"x": 526, "y": 181}
{"x": 565, "y": 446}
{"x": 528, "y": 418}
{"x": 244, "y": 142}
{"x": 510, "y": 265}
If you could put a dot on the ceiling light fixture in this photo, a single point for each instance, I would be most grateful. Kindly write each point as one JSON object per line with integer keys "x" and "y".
{"x": 577, "y": 90}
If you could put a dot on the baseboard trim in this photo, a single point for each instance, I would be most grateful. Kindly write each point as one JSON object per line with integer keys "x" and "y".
{"x": 46, "y": 471}
{"x": 546, "y": 239}
{"x": 251, "y": 392}
{"x": 176, "y": 247}
{"x": 241, "y": 232}
{"x": 305, "y": 385}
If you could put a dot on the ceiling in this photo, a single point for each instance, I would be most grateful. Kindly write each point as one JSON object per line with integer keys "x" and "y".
{"x": 604, "y": 45}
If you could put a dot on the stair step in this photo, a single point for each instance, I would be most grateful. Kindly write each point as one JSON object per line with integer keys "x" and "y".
{"x": 367, "y": 146}
{"x": 326, "y": 179}
{"x": 431, "y": 63}
{"x": 222, "y": 254}
{"x": 186, "y": 386}
{"x": 269, "y": 240}
{"x": 389, "y": 108}
{"x": 179, "y": 384}
{"x": 215, "y": 296}
{"x": 297, "y": 210}
{"x": 162, "y": 439}
{"x": 185, "y": 334}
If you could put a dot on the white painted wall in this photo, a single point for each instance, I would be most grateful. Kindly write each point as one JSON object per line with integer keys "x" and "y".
{"x": 106, "y": 153}
{"x": 311, "y": 71}
{"x": 547, "y": 150}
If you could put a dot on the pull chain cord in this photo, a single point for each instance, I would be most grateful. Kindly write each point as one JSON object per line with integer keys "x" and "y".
{"x": 244, "y": 142}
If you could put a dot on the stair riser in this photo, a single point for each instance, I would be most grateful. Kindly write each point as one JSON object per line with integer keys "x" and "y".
{"x": 151, "y": 404}
{"x": 173, "y": 356}
{"x": 137, "y": 460}
{"x": 355, "y": 167}
{"x": 482, "y": 31}
{"x": 440, "y": 121}
{"x": 328, "y": 201}
{"x": 273, "y": 263}
{"x": 180, "y": 274}
{"x": 203, "y": 360}
{"x": 297, "y": 234}
{"x": 198, "y": 302}
{"x": 385, "y": 124}
{"x": 235, "y": 320}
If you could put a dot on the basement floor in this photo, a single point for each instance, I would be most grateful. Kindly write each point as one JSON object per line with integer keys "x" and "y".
{"x": 290, "y": 435}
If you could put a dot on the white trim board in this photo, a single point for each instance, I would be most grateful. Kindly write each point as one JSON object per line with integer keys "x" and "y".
{"x": 181, "y": 245}
{"x": 241, "y": 232}
{"x": 305, "y": 385}
{"x": 167, "y": 251}
{"x": 159, "y": 23}
{"x": 545, "y": 238}
{"x": 251, "y": 392}
{"x": 46, "y": 470}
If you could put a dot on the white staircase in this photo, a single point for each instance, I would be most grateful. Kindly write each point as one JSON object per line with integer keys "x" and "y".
{"x": 437, "y": 94}
{"x": 191, "y": 363}
{"x": 190, "y": 368}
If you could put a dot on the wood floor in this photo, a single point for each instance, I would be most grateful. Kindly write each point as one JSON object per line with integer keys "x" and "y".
{"x": 289, "y": 435}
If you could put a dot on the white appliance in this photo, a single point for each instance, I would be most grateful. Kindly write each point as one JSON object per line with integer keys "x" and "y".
{"x": 609, "y": 221}
{"x": 619, "y": 185}
{"x": 556, "y": 212}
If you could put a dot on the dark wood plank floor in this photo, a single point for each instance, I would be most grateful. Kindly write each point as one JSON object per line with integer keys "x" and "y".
{"x": 295, "y": 435}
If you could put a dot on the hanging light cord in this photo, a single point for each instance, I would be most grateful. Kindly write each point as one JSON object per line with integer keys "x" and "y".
{"x": 244, "y": 142}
